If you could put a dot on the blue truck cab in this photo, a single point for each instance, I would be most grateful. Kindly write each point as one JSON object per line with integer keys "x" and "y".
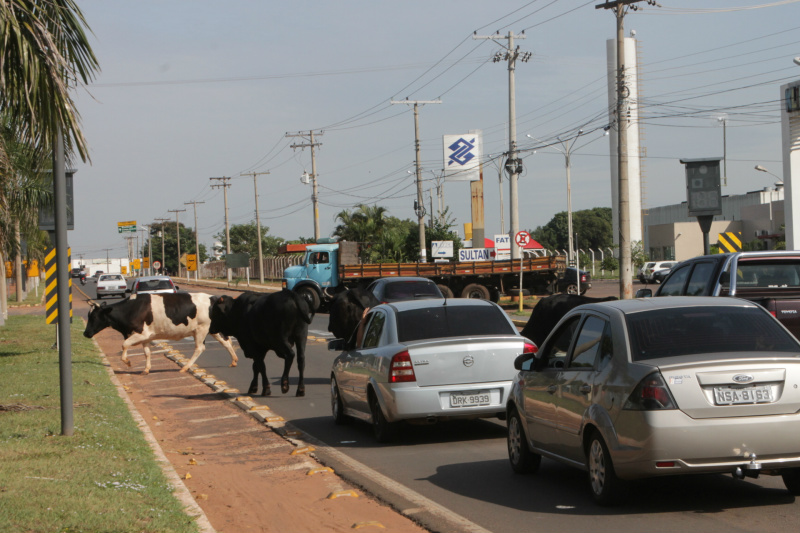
{"x": 318, "y": 272}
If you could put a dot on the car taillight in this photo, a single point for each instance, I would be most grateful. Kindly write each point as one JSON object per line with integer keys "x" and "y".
{"x": 529, "y": 347}
{"x": 583, "y": 277}
{"x": 651, "y": 394}
{"x": 401, "y": 370}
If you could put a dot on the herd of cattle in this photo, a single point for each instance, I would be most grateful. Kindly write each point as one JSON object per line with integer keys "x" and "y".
{"x": 262, "y": 322}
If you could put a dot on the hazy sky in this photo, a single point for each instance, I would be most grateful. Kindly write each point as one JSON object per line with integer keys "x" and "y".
{"x": 195, "y": 89}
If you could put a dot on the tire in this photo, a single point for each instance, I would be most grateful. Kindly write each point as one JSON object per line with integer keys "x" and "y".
{"x": 606, "y": 487}
{"x": 572, "y": 288}
{"x": 494, "y": 295}
{"x": 383, "y": 430}
{"x": 475, "y": 290}
{"x": 791, "y": 478}
{"x": 311, "y": 296}
{"x": 522, "y": 459}
{"x": 337, "y": 407}
{"x": 445, "y": 290}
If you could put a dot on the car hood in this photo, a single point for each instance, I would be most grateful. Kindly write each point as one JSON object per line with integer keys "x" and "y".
{"x": 294, "y": 271}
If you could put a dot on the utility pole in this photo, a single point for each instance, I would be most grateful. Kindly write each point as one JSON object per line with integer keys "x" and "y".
{"x": 225, "y": 186}
{"x": 149, "y": 249}
{"x": 419, "y": 204}
{"x": 314, "y": 196}
{"x": 258, "y": 225}
{"x": 196, "y": 240}
{"x": 163, "y": 259}
{"x": 178, "y": 232}
{"x": 513, "y": 164}
{"x": 625, "y": 264}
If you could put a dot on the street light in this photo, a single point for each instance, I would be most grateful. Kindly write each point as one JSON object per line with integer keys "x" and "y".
{"x": 762, "y": 169}
{"x": 566, "y": 151}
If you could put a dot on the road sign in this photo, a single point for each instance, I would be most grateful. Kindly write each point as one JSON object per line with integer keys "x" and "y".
{"x": 126, "y": 227}
{"x": 157, "y": 265}
{"x": 522, "y": 238}
{"x": 51, "y": 286}
{"x": 191, "y": 262}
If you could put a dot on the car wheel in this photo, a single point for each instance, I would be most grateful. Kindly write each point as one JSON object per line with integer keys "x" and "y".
{"x": 522, "y": 459}
{"x": 475, "y": 290}
{"x": 384, "y": 430}
{"x": 311, "y": 296}
{"x": 337, "y": 408}
{"x": 571, "y": 289}
{"x": 446, "y": 292}
{"x": 607, "y": 488}
{"x": 791, "y": 478}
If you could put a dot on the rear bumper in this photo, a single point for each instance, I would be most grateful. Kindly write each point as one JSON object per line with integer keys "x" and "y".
{"x": 703, "y": 446}
{"x": 409, "y": 402}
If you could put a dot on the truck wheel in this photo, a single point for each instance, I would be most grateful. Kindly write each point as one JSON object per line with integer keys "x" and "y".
{"x": 445, "y": 290}
{"x": 310, "y": 296}
{"x": 475, "y": 290}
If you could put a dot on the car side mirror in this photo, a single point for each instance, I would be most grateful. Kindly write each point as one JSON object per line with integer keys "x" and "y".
{"x": 524, "y": 362}
{"x": 177, "y": 288}
{"x": 725, "y": 278}
{"x": 336, "y": 345}
{"x": 644, "y": 293}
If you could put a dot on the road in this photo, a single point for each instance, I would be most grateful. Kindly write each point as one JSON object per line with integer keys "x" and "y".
{"x": 464, "y": 466}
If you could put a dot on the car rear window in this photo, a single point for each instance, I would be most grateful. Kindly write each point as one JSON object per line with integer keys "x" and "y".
{"x": 451, "y": 321}
{"x": 409, "y": 290}
{"x": 768, "y": 273}
{"x": 695, "y": 330}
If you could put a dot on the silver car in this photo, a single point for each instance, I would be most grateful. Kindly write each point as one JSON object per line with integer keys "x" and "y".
{"x": 660, "y": 386}
{"x": 427, "y": 360}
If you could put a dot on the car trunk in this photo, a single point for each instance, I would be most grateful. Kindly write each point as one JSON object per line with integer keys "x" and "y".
{"x": 451, "y": 361}
{"x": 734, "y": 386}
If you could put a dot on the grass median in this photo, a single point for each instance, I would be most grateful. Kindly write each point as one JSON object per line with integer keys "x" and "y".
{"x": 104, "y": 477}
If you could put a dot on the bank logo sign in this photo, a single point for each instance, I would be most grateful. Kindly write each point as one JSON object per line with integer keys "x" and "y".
{"x": 462, "y": 156}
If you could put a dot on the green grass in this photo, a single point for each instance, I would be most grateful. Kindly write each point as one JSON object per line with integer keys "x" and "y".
{"x": 104, "y": 478}
{"x": 30, "y": 299}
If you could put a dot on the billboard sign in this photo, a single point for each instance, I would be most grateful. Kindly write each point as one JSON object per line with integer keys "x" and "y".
{"x": 442, "y": 248}
{"x": 462, "y": 157}
{"x": 502, "y": 247}
{"x": 474, "y": 254}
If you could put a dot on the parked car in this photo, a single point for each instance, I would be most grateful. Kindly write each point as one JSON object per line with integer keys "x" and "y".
{"x": 653, "y": 387}
{"x": 403, "y": 288}
{"x": 153, "y": 285}
{"x": 660, "y": 275}
{"x": 427, "y": 361}
{"x": 646, "y": 272}
{"x": 111, "y": 285}
{"x": 569, "y": 281}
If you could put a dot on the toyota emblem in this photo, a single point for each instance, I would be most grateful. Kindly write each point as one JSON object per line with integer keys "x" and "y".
{"x": 469, "y": 361}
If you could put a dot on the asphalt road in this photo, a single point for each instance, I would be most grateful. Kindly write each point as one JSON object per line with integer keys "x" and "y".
{"x": 464, "y": 467}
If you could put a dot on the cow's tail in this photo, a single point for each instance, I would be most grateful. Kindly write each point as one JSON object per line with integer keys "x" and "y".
{"x": 305, "y": 310}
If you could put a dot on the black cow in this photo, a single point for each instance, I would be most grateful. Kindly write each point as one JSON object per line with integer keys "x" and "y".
{"x": 264, "y": 322}
{"x": 148, "y": 317}
{"x": 550, "y": 310}
{"x": 346, "y": 310}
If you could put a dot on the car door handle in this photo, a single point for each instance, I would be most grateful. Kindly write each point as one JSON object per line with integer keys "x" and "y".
{"x": 552, "y": 389}
{"x": 586, "y": 389}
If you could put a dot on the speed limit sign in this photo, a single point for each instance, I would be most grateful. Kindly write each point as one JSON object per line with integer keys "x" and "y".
{"x": 157, "y": 265}
{"x": 522, "y": 238}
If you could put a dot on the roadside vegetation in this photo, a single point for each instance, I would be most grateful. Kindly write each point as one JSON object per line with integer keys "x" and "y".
{"x": 104, "y": 477}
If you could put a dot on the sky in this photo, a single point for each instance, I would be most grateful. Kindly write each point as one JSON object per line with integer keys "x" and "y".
{"x": 193, "y": 89}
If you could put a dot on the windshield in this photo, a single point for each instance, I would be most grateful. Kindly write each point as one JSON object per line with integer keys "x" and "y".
{"x": 408, "y": 290}
{"x": 451, "y": 321}
{"x": 695, "y": 330}
{"x": 768, "y": 273}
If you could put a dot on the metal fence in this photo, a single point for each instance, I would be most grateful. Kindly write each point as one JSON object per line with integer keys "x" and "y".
{"x": 273, "y": 267}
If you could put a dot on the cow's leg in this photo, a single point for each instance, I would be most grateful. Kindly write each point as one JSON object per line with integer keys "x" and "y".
{"x": 199, "y": 347}
{"x": 301, "y": 364}
{"x": 226, "y": 342}
{"x": 259, "y": 369}
{"x": 286, "y": 353}
{"x": 125, "y": 346}
{"x": 146, "y": 348}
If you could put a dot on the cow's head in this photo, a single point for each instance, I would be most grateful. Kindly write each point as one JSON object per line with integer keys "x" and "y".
{"x": 346, "y": 310}
{"x": 98, "y": 319}
{"x": 220, "y": 313}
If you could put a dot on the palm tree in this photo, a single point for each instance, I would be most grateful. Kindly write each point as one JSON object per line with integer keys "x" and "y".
{"x": 366, "y": 225}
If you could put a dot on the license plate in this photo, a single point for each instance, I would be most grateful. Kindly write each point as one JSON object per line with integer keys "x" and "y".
{"x": 469, "y": 400}
{"x": 731, "y": 396}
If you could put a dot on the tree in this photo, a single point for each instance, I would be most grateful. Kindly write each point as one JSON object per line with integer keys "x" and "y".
{"x": 245, "y": 240}
{"x": 593, "y": 227}
{"x": 442, "y": 230}
{"x": 365, "y": 224}
{"x": 170, "y": 238}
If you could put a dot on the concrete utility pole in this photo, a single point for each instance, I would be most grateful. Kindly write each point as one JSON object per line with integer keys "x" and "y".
{"x": 419, "y": 205}
{"x": 225, "y": 186}
{"x": 178, "y": 232}
{"x": 314, "y": 196}
{"x": 163, "y": 259}
{"x": 625, "y": 263}
{"x": 513, "y": 164}
{"x": 258, "y": 226}
{"x": 196, "y": 240}
{"x": 149, "y": 249}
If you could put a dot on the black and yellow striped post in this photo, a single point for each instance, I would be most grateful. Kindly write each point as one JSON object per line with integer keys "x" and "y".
{"x": 51, "y": 286}
{"x": 730, "y": 242}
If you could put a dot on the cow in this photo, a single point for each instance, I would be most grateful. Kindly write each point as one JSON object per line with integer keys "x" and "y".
{"x": 550, "y": 310}
{"x": 263, "y": 322}
{"x": 346, "y": 310}
{"x": 158, "y": 316}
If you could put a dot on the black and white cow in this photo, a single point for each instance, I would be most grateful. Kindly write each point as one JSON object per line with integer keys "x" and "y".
{"x": 346, "y": 310}
{"x": 550, "y": 310}
{"x": 262, "y": 322}
{"x": 149, "y": 317}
